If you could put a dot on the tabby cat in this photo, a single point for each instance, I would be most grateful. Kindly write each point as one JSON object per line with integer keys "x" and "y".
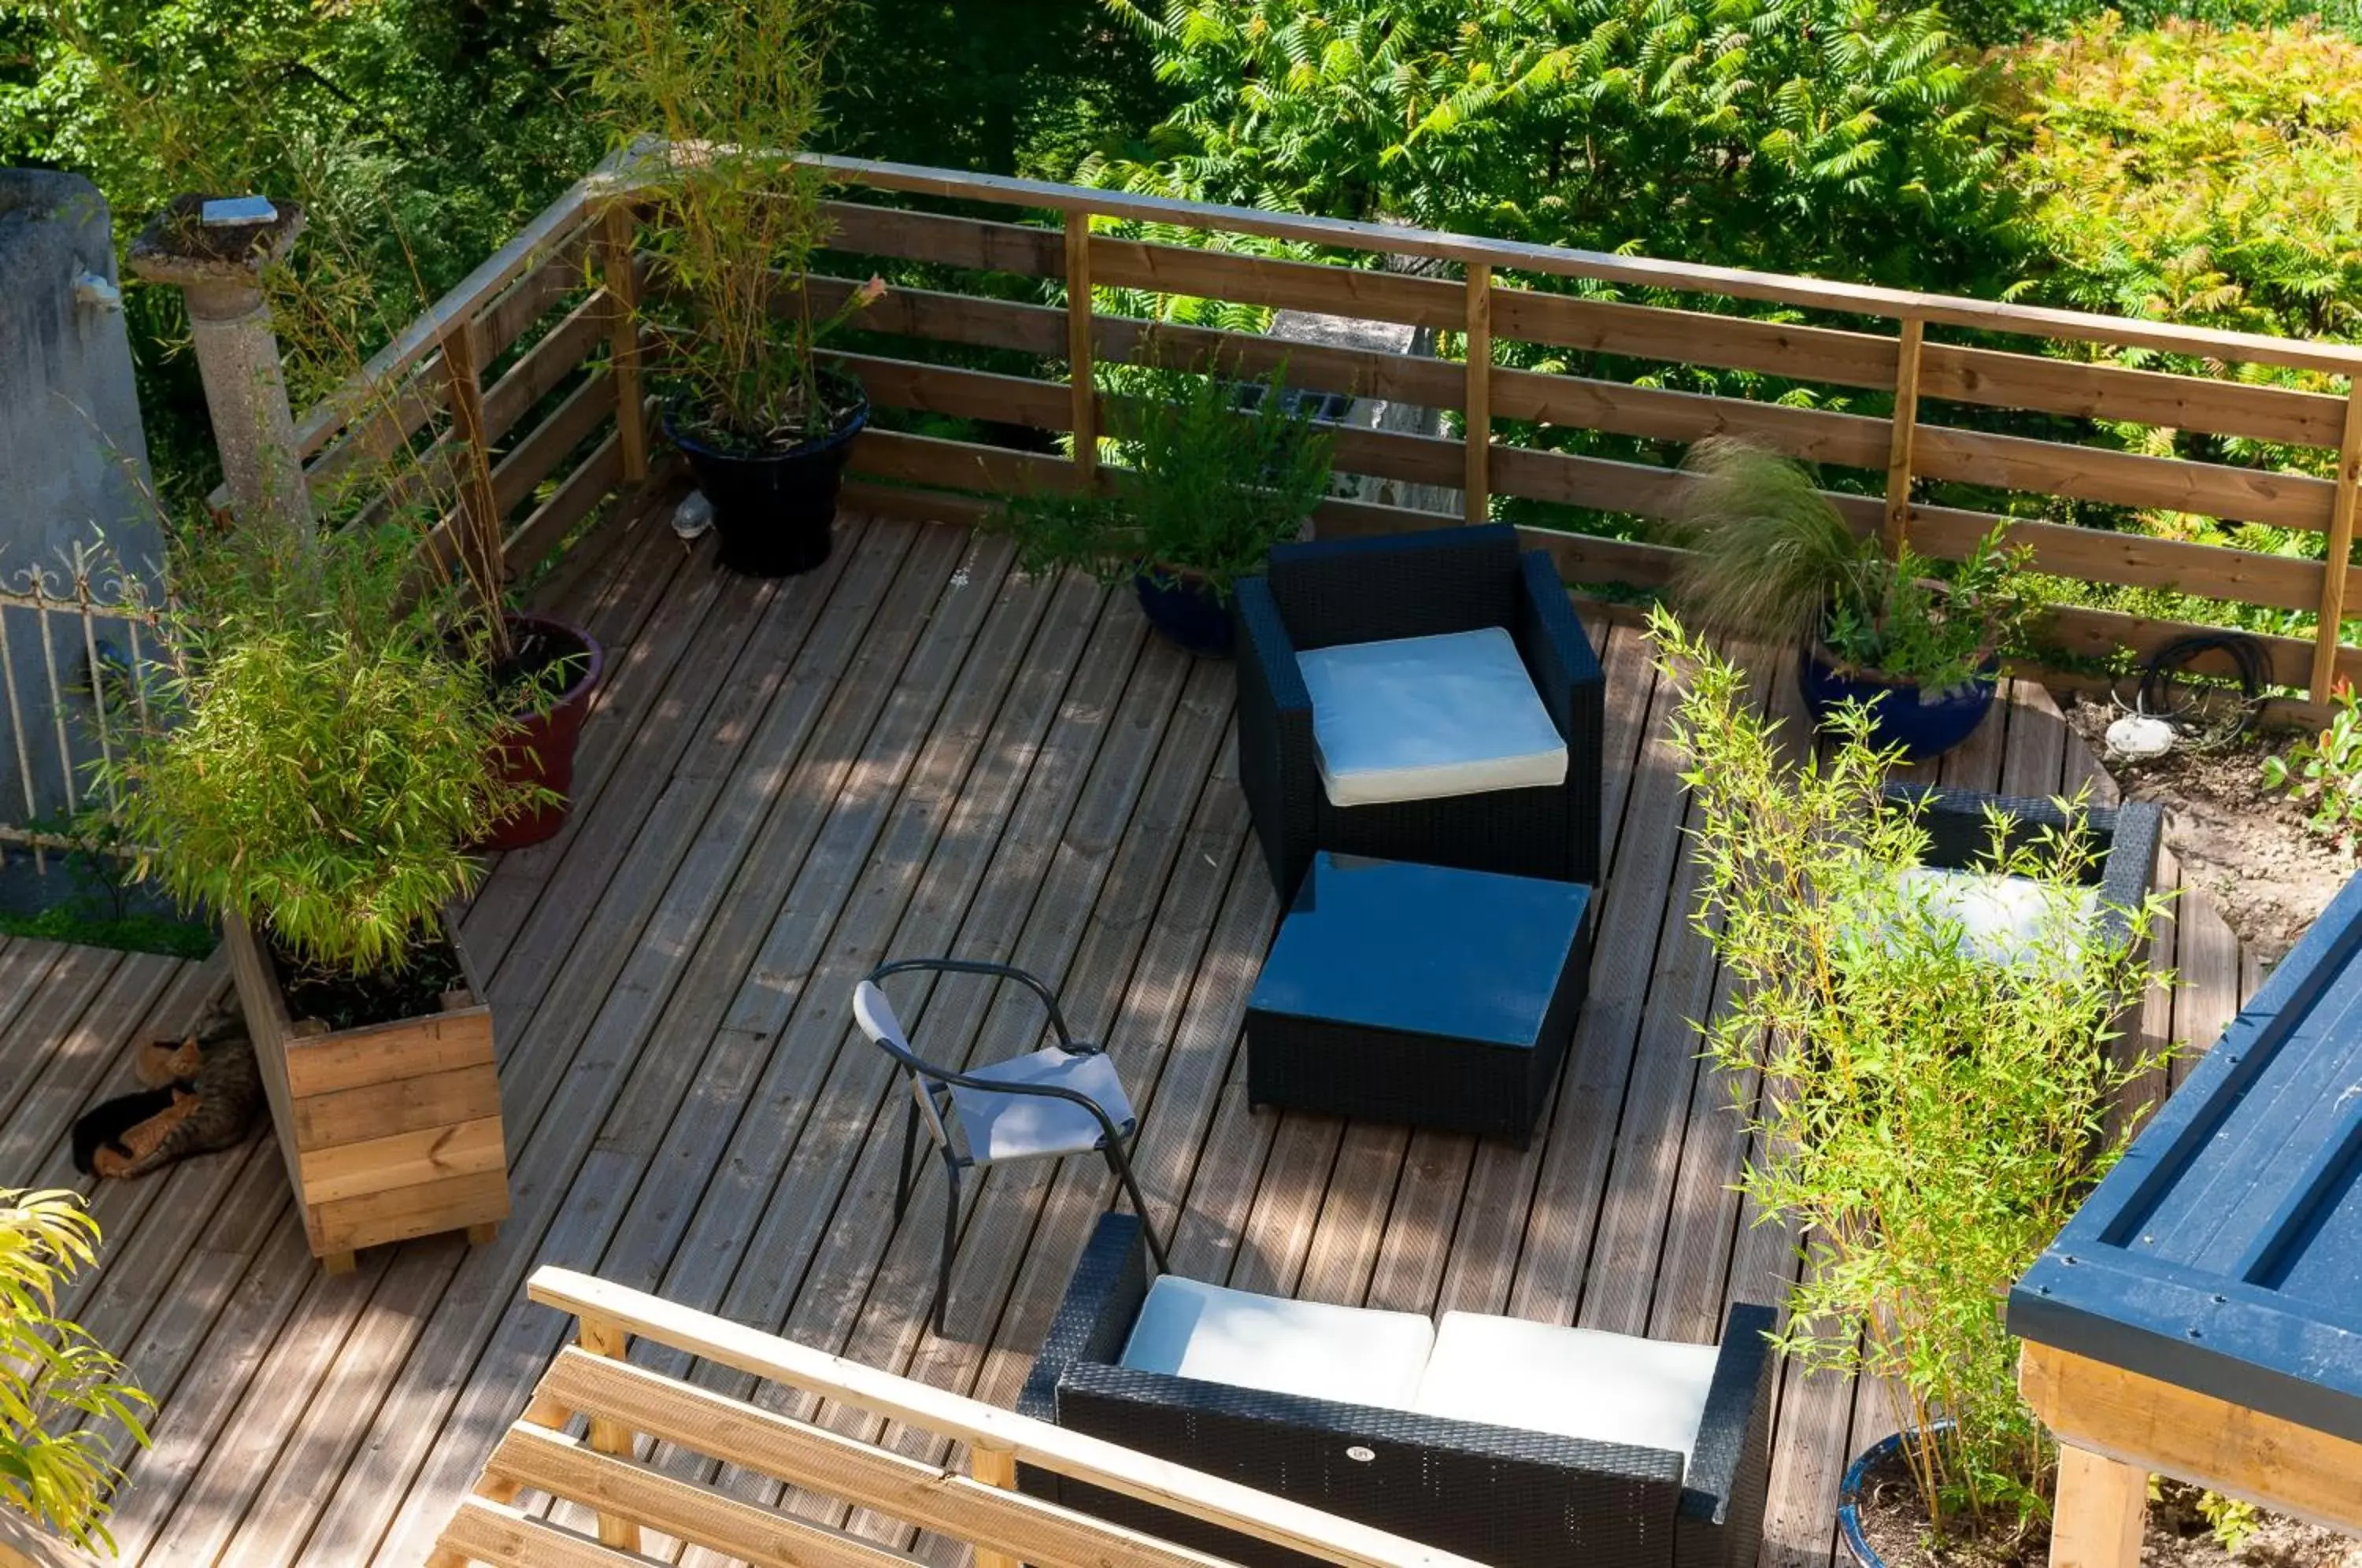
{"x": 206, "y": 1092}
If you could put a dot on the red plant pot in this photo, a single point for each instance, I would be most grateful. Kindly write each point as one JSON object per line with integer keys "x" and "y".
{"x": 540, "y": 750}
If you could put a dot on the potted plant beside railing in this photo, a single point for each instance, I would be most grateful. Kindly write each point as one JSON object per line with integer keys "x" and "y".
{"x": 1927, "y": 1071}
{"x": 313, "y": 776}
{"x": 1918, "y": 645}
{"x": 718, "y": 100}
{"x": 1212, "y": 474}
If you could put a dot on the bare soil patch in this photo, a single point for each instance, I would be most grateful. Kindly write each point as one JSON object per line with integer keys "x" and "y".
{"x": 2179, "y": 1535}
{"x": 2248, "y": 850}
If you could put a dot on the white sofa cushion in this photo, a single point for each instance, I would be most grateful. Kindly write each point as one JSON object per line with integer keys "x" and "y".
{"x": 2000, "y": 918}
{"x": 1420, "y": 718}
{"x": 1576, "y": 1383}
{"x": 1354, "y": 1354}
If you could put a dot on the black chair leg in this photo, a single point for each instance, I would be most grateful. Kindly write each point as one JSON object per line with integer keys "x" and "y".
{"x": 902, "y": 1176}
{"x": 951, "y": 1241}
{"x": 1120, "y": 1165}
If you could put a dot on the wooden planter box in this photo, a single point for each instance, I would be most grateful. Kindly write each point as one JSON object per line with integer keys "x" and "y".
{"x": 388, "y": 1131}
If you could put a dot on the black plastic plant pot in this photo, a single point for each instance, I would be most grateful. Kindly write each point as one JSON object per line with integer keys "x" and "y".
{"x": 775, "y": 512}
{"x": 1925, "y": 726}
{"x": 1187, "y": 610}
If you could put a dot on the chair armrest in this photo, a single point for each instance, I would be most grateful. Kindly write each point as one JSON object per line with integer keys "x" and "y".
{"x": 1573, "y": 690}
{"x": 1095, "y": 1319}
{"x": 2129, "y": 870}
{"x": 1278, "y": 769}
{"x": 1730, "y": 1464}
{"x": 1049, "y": 999}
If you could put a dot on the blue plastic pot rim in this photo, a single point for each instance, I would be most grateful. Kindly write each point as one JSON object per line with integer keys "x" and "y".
{"x": 1849, "y": 1497}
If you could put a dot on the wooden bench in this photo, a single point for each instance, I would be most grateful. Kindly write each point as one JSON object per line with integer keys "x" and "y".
{"x": 629, "y": 1409}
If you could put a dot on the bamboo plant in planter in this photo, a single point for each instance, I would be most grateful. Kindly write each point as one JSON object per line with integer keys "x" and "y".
{"x": 315, "y": 775}
{"x": 1928, "y": 1106}
{"x": 721, "y": 95}
{"x": 1772, "y": 559}
{"x": 1213, "y": 474}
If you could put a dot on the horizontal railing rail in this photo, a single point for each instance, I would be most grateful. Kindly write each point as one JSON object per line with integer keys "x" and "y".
{"x": 1054, "y": 345}
{"x": 613, "y": 1472}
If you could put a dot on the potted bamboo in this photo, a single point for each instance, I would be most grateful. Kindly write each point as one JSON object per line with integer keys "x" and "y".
{"x": 1917, "y": 645}
{"x": 1928, "y": 1100}
{"x": 313, "y": 775}
{"x": 718, "y": 100}
{"x": 1212, "y": 474}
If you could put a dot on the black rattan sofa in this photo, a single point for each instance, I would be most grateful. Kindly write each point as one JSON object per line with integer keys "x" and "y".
{"x": 1330, "y": 591}
{"x": 1512, "y": 1499}
{"x": 1960, "y": 837}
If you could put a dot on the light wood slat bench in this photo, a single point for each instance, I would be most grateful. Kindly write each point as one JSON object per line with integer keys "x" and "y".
{"x": 625, "y": 1404}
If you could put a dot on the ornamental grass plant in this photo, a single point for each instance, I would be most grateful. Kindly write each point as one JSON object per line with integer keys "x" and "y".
{"x": 1927, "y": 1114}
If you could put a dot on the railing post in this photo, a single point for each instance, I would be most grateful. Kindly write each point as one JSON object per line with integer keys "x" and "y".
{"x": 1905, "y": 433}
{"x": 1476, "y": 489}
{"x": 478, "y": 522}
{"x": 601, "y": 1337}
{"x": 619, "y": 232}
{"x": 994, "y": 1467}
{"x": 1080, "y": 381}
{"x": 2338, "y": 563}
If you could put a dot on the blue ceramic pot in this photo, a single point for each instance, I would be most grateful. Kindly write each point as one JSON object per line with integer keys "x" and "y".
{"x": 1187, "y": 610}
{"x": 1901, "y": 715}
{"x": 775, "y": 512}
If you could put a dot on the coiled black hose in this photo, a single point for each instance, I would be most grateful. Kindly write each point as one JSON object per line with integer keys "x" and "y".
{"x": 2165, "y": 694}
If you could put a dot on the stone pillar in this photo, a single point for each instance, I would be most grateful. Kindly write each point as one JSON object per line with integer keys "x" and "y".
{"x": 218, "y": 270}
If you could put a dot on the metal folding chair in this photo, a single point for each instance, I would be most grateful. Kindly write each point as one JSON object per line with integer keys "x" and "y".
{"x": 1063, "y": 1099}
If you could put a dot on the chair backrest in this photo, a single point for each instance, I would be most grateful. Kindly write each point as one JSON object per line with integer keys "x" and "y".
{"x": 1397, "y": 585}
{"x": 876, "y": 1016}
{"x": 626, "y": 1405}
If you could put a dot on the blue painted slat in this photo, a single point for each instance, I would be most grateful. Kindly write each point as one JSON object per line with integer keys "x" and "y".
{"x": 2224, "y": 1251}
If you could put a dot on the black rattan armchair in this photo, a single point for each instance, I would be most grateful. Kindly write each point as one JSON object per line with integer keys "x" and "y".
{"x": 1327, "y": 593}
{"x": 2125, "y": 837}
{"x": 1512, "y": 1499}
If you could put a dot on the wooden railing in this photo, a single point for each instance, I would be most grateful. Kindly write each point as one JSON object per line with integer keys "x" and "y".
{"x": 629, "y": 1410}
{"x": 1863, "y": 339}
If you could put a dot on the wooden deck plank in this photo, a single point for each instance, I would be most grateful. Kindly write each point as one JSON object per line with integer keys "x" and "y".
{"x": 596, "y": 1032}
{"x": 882, "y": 767}
{"x": 744, "y": 875}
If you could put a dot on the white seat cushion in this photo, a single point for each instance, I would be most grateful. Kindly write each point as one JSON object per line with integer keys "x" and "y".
{"x": 1576, "y": 1383}
{"x": 1420, "y": 718}
{"x": 1021, "y": 1126}
{"x": 2000, "y": 918}
{"x": 1348, "y": 1353}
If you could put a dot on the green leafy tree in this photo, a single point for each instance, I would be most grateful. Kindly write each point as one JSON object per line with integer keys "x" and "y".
{"x": 1794, "y": 134}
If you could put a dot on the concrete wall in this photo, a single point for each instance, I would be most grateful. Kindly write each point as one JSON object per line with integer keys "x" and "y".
{"x": 73, "y": 463}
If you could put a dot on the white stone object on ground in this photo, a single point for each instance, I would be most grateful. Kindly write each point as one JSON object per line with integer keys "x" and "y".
{"x": 224, "y": 212}
{"x": 693, "y": 516}
{"x": 2141, "y": 735}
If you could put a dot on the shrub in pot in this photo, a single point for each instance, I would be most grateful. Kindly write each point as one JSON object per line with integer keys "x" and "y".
{"x": 52, "y": 1374}
{"x": 313, "y": 775}
{"x": 1210, "y": 473}
{"x": 1771, "y": 558}
{"x": 1927, "y": 1110}
{"x": 718, "y": 96}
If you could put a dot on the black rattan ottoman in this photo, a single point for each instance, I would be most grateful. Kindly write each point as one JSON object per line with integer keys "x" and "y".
{"x": 1420, "y": 994}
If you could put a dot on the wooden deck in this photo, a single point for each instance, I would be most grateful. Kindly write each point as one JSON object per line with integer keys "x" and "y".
{"x": 910, "y": 752}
